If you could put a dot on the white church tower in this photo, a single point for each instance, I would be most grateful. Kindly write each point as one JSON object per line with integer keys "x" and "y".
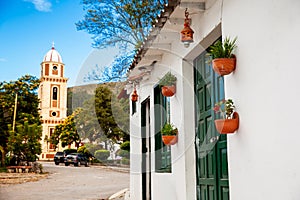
{"x": 53, "y": 98}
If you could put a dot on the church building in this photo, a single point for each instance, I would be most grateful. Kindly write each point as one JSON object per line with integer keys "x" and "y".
{"x": 53, "y": 99}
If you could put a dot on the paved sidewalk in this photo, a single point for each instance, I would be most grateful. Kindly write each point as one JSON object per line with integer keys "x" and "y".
{"x": 122, "y": 194}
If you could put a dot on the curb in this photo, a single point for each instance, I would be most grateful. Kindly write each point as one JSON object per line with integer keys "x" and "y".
{"x": 115, "y": 168}
{"x": 121, "y": 195}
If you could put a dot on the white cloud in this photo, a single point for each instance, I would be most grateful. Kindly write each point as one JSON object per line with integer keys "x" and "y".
{"x": 41, "y": 5}
{"x": 3, "y": 60}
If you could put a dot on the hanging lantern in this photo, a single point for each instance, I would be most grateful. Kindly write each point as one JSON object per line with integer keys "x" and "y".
{"x": 187, "y": 32}
{"x": 134, "y": 96}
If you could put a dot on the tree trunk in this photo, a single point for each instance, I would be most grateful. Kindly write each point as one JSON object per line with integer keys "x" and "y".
{"x": 2, "y": 158}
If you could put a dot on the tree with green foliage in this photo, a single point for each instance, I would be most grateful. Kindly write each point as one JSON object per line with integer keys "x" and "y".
{"x": 25, "y": 89}
{"x": 107, "y": 118}
{"x": 76, "y": 99}
{"x": 92, "y": 122}
{"x": 55, "y": 137}
{"x": 2, "y": 155}
{"x": 24, "y": 142}
{"x": 118, "y": 23}
{"x": 69, "y": 134}
{"x": 66, "y": 133}
{"x": 87, "y": 123}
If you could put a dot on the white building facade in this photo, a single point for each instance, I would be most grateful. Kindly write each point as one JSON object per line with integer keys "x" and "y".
{"x": 260, "y": 160}
{"x": 53, "y": 99}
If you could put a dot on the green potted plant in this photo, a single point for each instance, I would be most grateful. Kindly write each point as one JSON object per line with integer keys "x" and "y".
{"x": 169, "y": 134}
{"x": 224, "y": 61}
{"x": 230, "y": 121}
{"x": 168, "y": 83}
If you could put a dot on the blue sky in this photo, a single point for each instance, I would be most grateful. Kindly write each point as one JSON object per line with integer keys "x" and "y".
{"x": 27, "y": 30}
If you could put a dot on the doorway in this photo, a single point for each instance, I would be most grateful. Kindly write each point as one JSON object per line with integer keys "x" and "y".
{"x": 211, "y": 147}
{"x": 146, "y": 150}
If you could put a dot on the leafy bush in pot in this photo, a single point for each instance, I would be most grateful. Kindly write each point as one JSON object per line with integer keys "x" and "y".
{"x": 169, "y": 129}
{"x": 222, "y": 49}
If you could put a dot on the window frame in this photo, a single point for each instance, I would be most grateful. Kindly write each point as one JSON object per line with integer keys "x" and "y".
{"x": 163, "y": 157}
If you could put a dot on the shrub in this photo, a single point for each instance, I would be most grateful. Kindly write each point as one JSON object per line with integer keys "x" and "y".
{"x": 84, "y": 151}
{"x": 3, "y": 169}
{"x": 125, "y": 146}
{"x": 92, "y": 148}
{"x": 123, "y": 153}
{"x": 125, "y": 161}
{"x": 37, "y": 167}
{"x": 102, "y": 154}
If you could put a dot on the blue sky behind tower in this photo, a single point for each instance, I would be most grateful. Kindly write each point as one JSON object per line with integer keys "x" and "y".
{"x": 27, "y": 30}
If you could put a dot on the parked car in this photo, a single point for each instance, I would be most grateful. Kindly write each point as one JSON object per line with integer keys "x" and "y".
{"x": 59, "y": 157}
{"x": 77, "y": 159}
{"x": 68, "y": 151}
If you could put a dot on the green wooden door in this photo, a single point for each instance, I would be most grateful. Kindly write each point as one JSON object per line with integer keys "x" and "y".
{"x": 211, "y": 147}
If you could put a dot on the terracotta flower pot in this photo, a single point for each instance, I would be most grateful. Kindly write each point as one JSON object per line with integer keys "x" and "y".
{"x": 168, "y": 91}
{"x": 169, "y": 139}
{"x": 225, "y": 126}
{"x": 224, "y": 66}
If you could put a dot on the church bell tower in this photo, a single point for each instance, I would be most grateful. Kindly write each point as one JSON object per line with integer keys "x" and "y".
{"x": 53, "y": 98}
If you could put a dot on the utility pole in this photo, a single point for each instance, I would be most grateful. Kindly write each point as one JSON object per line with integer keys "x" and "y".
{"x": 15, "y": 112}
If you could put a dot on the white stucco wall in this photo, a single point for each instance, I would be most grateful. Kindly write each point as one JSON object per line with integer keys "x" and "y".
{"x": 181, "y": 183}
{"x": 164, "y": 185}
{"x": 264, "y": 154}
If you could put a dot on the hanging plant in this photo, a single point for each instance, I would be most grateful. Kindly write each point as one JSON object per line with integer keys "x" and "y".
{"x": 230, "y": 121}
{"x": 224, "y": 61}
{"x": 169, "y": 134}
{"x": 168, "y": 83}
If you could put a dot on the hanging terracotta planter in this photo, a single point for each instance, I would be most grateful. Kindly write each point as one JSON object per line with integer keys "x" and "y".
{"x": 224, "y": 66}
{"x": 168, "y": 91}
{"x": 224, "y": 61}
{"x": 225, "y": 126}
{"x": 169, "y": 134}
{"x": 169, "y": 139}
{"x": 168, "y": 84}
{"x": 134, "y": 96}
